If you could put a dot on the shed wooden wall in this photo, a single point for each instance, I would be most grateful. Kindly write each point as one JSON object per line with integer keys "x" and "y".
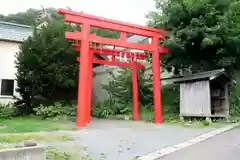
{"x": 195, "y": 99}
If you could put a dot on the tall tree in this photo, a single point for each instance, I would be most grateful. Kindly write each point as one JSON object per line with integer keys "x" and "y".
{"x": 46, "y": 66}
{"x": 202, "y": 35}
{"x": 234, "y": 14}
{"x": 46, "y": 62}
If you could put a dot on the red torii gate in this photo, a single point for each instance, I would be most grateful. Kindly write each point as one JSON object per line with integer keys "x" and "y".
{"x": 85, "y": 72}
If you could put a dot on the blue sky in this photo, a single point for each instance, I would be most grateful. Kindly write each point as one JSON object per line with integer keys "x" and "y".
{"x": 132, "y": 11}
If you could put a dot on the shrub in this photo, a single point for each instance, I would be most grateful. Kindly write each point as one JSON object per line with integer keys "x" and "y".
{"x": 235, "y": 106}
{"x": 7, "y": 111}
{"x": 170, "y": 99}
{"x": 235, "y": 97}
{"x": 124, "y": 108}
{"x": 110, "y": 107}
{"x": 56, "y": 111}
{"x": 120, "y": 97}
{"x": 103, "y": 109}
{"x": 54, "y": 154}
{"x": 120, "y": 94}
{"x": 46, "y": 67}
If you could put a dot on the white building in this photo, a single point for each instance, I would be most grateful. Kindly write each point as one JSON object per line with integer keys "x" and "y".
{"x": 11, "y": 36}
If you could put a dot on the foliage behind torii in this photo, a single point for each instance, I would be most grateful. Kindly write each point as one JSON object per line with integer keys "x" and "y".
{"x": 203, "y": 34}
{"x": 46, "y": 63}
{"x": 46, "y": 67}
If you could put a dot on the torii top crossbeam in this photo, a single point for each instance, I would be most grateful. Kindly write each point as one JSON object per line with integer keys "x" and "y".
{"x": 122, "y": 27}
{"x": 77, "y": 17}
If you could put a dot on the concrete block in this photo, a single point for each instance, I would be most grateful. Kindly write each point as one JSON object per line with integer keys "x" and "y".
{"x": 24, "y": 153}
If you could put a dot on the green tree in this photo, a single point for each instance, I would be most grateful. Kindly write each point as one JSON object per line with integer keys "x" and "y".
{"x": 203, "y": 34}
{"x": 46, "y": 67}
{"x": 120, "y": 90}
{"x": 234, "y": 15}
{"x": 46, "y": 63}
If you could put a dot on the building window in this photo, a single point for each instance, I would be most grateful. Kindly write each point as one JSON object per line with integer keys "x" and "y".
{"x": 7, "y": 87}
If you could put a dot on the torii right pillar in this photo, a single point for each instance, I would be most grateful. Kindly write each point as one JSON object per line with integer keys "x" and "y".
{"x": 157, "y": 99}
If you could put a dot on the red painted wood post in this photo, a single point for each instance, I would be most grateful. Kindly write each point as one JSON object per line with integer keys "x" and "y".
{"x": 156, "y": 82}
{"x": 135, "y": 90}
{"x": 83, "y": 96}
{"x": 88, "y": 114}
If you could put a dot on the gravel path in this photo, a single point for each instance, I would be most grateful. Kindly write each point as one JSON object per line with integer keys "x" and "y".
{"x": 124, "y": 140}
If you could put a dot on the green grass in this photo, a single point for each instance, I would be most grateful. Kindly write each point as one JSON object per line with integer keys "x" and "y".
{"x": 173, "y": 118}
{"x": 55, "y": 154}
{"x": 15, "y": 138}
{"x": 32, "y": 124}
{"x": 168, "y": 116}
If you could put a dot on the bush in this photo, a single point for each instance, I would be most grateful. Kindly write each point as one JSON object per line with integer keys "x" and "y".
{"x": 46, "y": 67}
{"x": 56, "y": 111}
{"x": 7, "y": 111}
{"x": 120, "y": 93}
{"x": 170, "y": 99}
{"x": 124, "y": 108}
{"x": 120, "y": 97}
{"x": 103, "y": 109}
{"x": 55, "y": 154}
{"x": 235, "y": 96}
{"x": 235, "y": 106}
{"x": 111, "y": 107}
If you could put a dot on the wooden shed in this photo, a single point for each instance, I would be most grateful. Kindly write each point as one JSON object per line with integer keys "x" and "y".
{"x": 204, "y": 94}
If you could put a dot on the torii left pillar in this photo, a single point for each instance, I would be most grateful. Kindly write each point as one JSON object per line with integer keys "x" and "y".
{"x": 84, "y": 99}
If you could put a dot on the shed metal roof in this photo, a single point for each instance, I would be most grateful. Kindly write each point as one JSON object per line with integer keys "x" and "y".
{"x": 14, "y": 32}
{"x": 210, "y": 75}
